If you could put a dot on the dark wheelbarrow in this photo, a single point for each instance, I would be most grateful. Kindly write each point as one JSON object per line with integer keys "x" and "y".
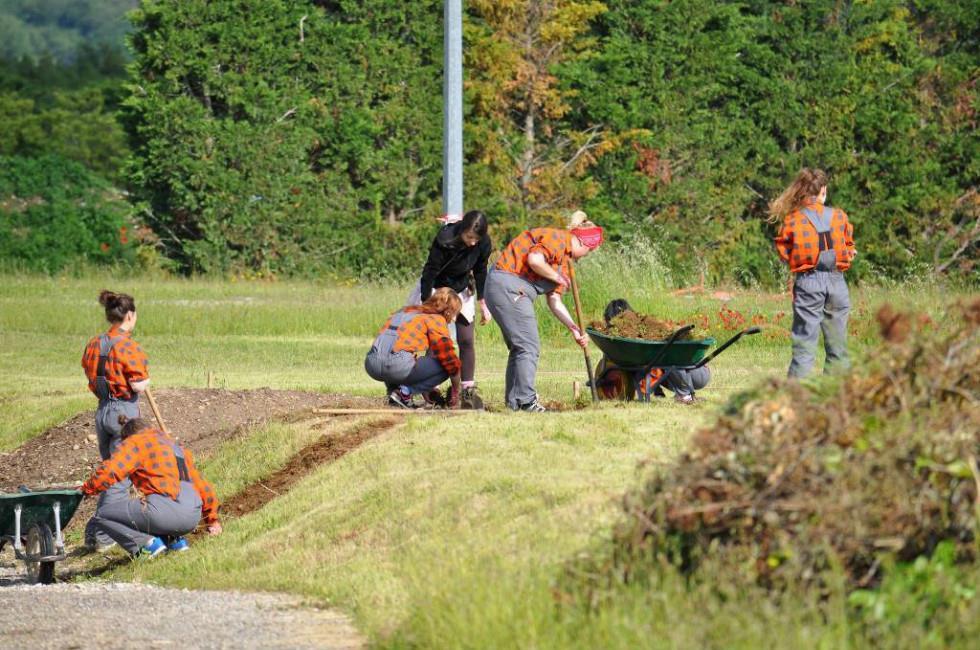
{"x": 31, "y": 522}
{"x": 635, "y": 358}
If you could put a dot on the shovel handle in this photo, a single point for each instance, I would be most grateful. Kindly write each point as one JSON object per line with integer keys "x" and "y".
{"x": 581, "y": 328}
{"x": 155, "y": 409}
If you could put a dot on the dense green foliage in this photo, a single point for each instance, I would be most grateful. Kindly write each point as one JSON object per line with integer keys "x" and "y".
{"x": 58, "y": 28}
{"x": 304, "y": 136}
{"x": 738, "y": 96}
{"x": 55, "y": 213}
{"x": 68, "y": 109}
{"x": 309, "y": 131}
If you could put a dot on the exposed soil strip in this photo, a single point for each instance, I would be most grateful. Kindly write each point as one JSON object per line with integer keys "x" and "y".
{"x": 327, "y": 449}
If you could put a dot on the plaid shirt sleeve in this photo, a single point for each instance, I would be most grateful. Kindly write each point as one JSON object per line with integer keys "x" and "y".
{"x": 120, "y": 465}
{"x": 848, "y": 236}
{"x": 441, "y": 345}
{"x": 209, "y": 498}
{"x": 132, "y": 359}
{"x": 784, "y": 240}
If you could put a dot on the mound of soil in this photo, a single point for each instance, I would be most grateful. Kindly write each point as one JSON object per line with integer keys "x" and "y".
{"x": 199, "y": 418}
{"x": 794, "y": 480}
{"x": 633, "y": 325}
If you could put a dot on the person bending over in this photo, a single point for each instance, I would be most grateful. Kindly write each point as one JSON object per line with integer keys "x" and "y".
{"x": 170, "y": 496}
{"x": 535, "y": 263}
{"x": 458, "y": 260}
{"x": 413, "y": 353}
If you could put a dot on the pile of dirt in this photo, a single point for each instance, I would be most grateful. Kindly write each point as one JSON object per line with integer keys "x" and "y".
{"x": 199, "y": 418}
{"x": 793, "y": 480}
{"x": 633, "y": 325}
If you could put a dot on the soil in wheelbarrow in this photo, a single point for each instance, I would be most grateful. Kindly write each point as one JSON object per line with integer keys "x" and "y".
{"x": 633, "y": 325}
{"x": 200, "y": 418}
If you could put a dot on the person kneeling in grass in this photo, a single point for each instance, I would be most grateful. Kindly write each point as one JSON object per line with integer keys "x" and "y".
{"x": 171, "y": 495}
{"x": 412, "y": 331}
{"x": 615, "y": 383}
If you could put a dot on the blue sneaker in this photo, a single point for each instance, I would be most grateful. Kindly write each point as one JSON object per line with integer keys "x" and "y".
{"x": 153, "y": 549}
{"x": 178, "y": 544}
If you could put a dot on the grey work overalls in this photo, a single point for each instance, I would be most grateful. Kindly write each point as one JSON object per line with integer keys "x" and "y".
{"x": 133, "y": 522}
{"x": 510, "y": 298}
{"x": 107, "y": 429}
{"x": 821, "y": 301}
{"x": 402, "y": 368}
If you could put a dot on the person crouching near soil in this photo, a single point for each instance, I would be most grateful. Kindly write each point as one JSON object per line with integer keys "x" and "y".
{"x": 117, "y": 371}
{"x": 172, "y": 495}
{"x": 537, "y": 262}
{"x": 615, "y": 383}
{"x": 817, "y": 241}
{"x": 458, "y": 260}
{"x": 412, "y": 331}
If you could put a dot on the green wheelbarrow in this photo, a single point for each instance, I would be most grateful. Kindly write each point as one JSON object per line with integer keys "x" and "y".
{"x": 637, "y": 357}
{"x": 31, "y": 522}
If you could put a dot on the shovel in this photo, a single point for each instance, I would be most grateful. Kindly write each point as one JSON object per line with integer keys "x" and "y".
{"x": 581, "y": 328}
{"x": 155, "y": 409}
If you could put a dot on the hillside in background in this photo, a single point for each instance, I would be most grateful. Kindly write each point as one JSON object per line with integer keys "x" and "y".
{"x": 35, "y": 28}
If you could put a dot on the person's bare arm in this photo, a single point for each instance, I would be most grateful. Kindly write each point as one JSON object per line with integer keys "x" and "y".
{"x": 561, "y": 313}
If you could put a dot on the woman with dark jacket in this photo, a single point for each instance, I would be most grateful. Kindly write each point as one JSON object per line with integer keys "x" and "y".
{"x": 458, "y": 260}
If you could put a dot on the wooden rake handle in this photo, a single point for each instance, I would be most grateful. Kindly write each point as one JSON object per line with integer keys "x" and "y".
{"x": 155, "y": 409}
{"x": 581, "y": 328}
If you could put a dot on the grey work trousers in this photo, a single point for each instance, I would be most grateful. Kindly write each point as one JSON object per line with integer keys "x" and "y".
{"x": 821, "y": 302}
{"x": 685, "y": 382}
{"x": 107, "y": 429}
{"x": 419, "y": 375}
{"x": 133, "y": 523}
{"x": 510, "y": 299}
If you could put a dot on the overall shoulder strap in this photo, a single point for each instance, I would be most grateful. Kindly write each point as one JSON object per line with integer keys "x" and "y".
{"x": 101, "y": 384}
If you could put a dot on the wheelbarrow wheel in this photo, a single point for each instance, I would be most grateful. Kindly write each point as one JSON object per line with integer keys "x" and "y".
{"x": 613, "y": 383}
{"x": 40, "y": 542}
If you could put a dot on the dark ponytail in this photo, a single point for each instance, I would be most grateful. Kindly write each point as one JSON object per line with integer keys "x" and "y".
{"x": 117, "y": 305}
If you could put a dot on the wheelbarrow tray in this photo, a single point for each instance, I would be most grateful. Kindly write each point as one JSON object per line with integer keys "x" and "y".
{"x": 636, "y": 353}
{"x": 36, "y": 507}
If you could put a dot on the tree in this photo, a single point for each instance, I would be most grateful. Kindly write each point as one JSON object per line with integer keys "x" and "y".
{"x": 515, "y": 50}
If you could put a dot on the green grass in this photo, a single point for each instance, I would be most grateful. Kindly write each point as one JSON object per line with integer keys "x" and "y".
{"x": 441, "y": 532}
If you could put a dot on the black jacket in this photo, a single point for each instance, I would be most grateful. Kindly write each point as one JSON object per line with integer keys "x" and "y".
{"x": 451, "y": 262}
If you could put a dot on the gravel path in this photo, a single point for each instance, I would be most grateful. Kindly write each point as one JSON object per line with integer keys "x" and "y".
{"x": 107, "y": 615}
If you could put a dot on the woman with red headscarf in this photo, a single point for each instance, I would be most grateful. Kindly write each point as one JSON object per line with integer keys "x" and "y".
{"x": 536, "y": 262}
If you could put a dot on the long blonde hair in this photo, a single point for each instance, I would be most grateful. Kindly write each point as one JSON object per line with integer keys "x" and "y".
{"x": 443, "y": 301}
{"x": 579, "y": 220}
{"x": 807, "y": 183}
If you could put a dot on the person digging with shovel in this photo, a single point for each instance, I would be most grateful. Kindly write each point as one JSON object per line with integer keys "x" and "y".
{"x": 413, "y": 353}
{"x": 169, "y": 495}
{"x": 458, "y": 260}
{"x": 537, "y": 262}
{"x": 117, "y": 370}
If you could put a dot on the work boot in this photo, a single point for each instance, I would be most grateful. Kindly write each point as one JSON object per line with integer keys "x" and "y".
{"x": 470, "y": 399}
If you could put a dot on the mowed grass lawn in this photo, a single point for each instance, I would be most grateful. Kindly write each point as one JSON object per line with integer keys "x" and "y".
{"x": 442, "y": 532}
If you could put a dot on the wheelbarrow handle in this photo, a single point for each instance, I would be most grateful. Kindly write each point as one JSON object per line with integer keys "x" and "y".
{"x": 669, "y": 342}
{"x": 724, "y": 346}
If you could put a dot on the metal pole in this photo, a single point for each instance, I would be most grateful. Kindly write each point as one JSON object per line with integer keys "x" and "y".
{"x": 452, "y": 116}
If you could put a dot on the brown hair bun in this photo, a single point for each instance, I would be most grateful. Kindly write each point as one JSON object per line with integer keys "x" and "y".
{"x": 117, "y": 305}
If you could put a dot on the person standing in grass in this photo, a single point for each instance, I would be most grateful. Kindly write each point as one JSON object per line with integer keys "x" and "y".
{"x": 536, "y": 262}
{"x": 412, "y": 331}
{"x": 118, "y": 371}
{"x": 458, "y": 260}
{"x": 171, "y": 495}
{"x": 817, "y": 241}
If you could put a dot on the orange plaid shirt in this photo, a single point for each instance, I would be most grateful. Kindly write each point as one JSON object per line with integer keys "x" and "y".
{"x": 554, "y": 243}
{"x": 127, "y": 362}
{"x": 148, "y": 460}
{"x": 426, "y": 332}
{"x": 799, "y": 245}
